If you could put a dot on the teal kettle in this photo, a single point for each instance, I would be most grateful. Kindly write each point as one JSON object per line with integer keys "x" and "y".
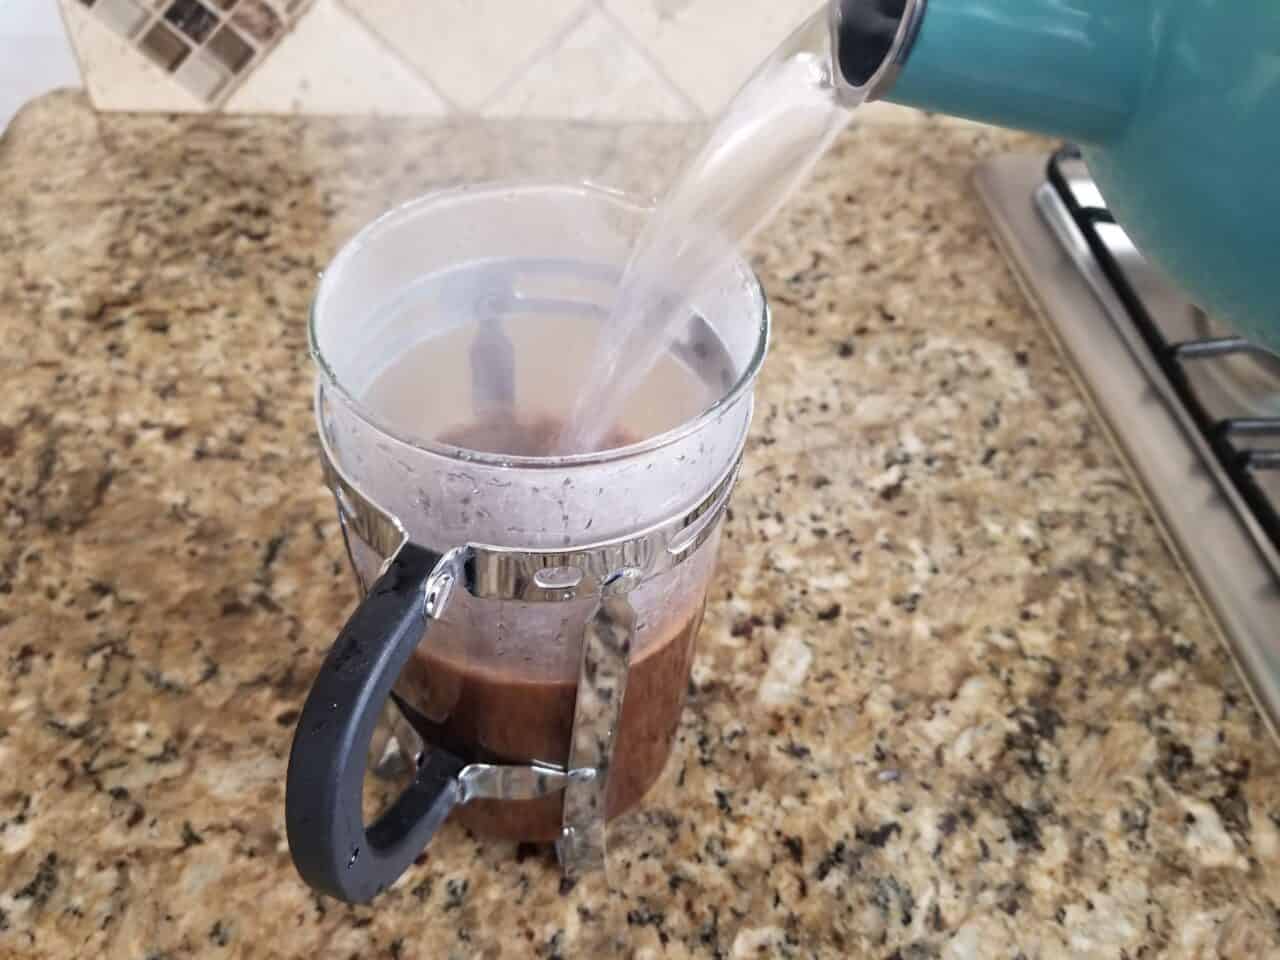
{"x": 1175, "y": 104}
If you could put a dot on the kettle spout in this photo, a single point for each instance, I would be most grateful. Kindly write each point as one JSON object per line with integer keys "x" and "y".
{"x": 870, "y": 41}
{"x": 1067, "y": 68}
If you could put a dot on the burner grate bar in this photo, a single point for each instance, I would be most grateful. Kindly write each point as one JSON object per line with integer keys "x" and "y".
{"x": 1250, "y": 426}
{"x": 1084, "y": 191}
{"x": 1067, "y": 171}
{"x": 1260, "y": 459}
{"x": 1209, "y": 347}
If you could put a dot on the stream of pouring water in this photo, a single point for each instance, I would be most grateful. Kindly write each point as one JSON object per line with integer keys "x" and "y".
{"x": 764, "y": 146}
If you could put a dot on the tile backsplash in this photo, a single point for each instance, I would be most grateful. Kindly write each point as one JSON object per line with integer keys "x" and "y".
{"x": 597, "y": 60}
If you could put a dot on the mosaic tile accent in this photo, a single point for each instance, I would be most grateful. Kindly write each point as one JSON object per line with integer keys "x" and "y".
{"x": 207, "y": 47}
{"x": 126, "y": 17}
{"x": 192, "y": 19}
{"x": 257, "y": 20}
{"x": 116, "y": 74}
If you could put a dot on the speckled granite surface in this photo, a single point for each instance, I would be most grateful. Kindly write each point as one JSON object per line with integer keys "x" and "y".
{"x": 953, "y": 697}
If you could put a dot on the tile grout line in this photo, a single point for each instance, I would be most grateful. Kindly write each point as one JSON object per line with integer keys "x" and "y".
{"x": 452, "y": 109}
{"x": 571, "y": 23}
{"x": 698, "y": 114}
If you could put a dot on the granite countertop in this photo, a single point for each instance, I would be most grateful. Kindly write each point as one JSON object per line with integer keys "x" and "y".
{"x": 953, "y": 697}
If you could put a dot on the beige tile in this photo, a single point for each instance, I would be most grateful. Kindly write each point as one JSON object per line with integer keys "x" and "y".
{"x": 330, "y": 64}
{"x": 467, "y": 49}
{"x": 594, "y": 73}
{"x": 709, "y": 47}
{"x": 117, "y": 76}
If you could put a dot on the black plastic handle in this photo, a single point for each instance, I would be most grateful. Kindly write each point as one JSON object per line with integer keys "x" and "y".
{"x": 331, "y": 846}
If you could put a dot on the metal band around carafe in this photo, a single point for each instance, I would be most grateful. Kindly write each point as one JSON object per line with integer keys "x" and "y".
{"x": 607, "y": 571}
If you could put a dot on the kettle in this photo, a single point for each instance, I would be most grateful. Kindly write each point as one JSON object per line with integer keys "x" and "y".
{"x": 1174, "y": 103}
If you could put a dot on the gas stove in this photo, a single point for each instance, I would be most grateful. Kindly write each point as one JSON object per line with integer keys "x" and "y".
{"x": 1194, "y": 409}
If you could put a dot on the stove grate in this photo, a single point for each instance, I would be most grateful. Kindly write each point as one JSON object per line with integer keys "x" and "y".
{"x": 1229, "y": 439}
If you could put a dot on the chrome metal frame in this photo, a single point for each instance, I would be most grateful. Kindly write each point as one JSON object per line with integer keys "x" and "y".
{"x": 607, "y": 571}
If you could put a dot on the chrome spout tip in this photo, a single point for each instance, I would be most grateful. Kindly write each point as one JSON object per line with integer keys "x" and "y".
{"x": 870, "y": 41}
